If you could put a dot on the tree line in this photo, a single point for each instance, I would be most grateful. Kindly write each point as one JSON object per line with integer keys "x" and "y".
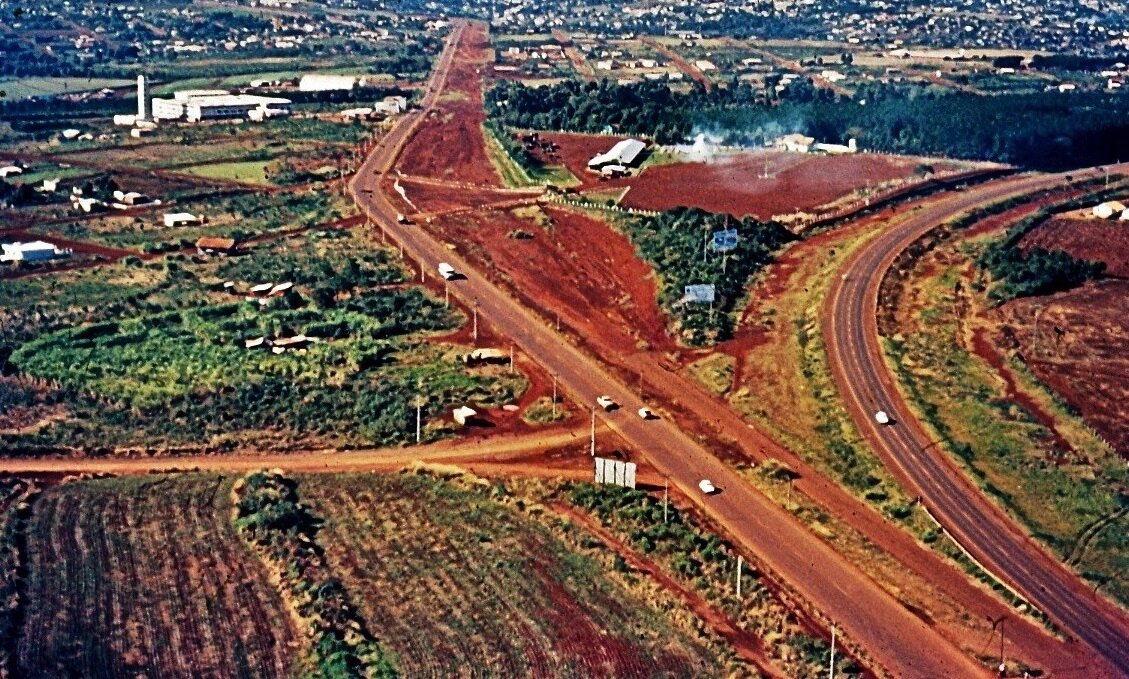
{"x": 1046, "y": 130}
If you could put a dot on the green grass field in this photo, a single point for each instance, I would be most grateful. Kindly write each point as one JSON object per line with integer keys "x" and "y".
{"x": 24, "y": 88}
{"x": 247, "y": 172}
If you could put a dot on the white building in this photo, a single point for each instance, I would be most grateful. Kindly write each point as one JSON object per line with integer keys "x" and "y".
{"x": 197, "y": 105}
{"x": 836, "y": 149}
{"x": 795, "y": 143}
{"x": 1108, "y": 209}
{"x": 391, "y": 105}
{"x": 10, "y": 170}
{"x": 181, "y": 219}
{"x": 35, "y": 251}
{"x": 624, "y": 153}
{"x": 326, "y": 83}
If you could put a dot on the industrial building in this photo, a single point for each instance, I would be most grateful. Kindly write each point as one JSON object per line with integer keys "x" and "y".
{"x": 327, "y": 83}
{"x": 624, "y": 154}
{"x": 197, "y": 105}
{"x": 35, "y": 251}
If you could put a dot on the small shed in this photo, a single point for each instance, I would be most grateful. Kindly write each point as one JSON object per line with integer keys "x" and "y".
{"x": 1108, "y": 209}
{"x": 181, "y": 219}
{"x": 486, "y": 356}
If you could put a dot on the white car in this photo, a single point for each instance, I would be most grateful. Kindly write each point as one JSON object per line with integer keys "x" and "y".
{"x": 606, "y": 402}
{"x": 707, "y": 486}
{"x": 881, "y": 417}
{"x": 646, "y": 414}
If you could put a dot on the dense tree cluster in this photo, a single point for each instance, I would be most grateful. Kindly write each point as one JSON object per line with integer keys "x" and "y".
{"x": 675, "y": 243}
{"x": 1048, "y": 130}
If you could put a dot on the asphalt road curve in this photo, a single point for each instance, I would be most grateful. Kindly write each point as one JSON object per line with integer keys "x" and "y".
{"x": 855, "y": 353}
{"x": 895, "y": 638}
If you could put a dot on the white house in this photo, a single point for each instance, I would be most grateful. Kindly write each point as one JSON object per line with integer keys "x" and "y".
{"x": 10, "y": 170}
{"x": 795, "y": 143}
{"x": 326, "y": 83}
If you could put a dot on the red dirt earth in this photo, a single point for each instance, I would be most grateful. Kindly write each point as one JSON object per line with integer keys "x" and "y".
{"x": 1074, "y": 342}
{"x": 736, "y": 184}
{"x": 578, "y": 267}
{"x": 1095, "y": 239}
{"x": 449, "y": 142}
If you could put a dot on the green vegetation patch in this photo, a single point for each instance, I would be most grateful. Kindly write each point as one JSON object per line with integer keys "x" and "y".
{"x": 675, "y": 244}
{"x": 168, "y": 362}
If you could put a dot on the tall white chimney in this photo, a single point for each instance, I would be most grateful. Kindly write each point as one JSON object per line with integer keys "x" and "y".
{"x": 142, "y": 104}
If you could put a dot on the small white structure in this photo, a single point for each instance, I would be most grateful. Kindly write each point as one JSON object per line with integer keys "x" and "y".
{"x": 486, "y": 355}
{"x": 462, "y": 414}
{"x": 624, "y": 153}
{"x": 1108, "y": 209}
{"x": 127, "y": 120}
{"x": 181, "y": 219}
{"x": 86, "y": 204}
{"x": 707, "y": 487}
{"x": 881, "y": 417}
{"x": 326, "y": 83}
{"x": 391, "y": 106}
{"x": 646, "y": 413}
{"x": 705, "y": 66}
{"x": 71, "y": 133}
{"x": 48, "y": 186}
{"x": 35, "y": 251}
{"x": 279, "y": 289}
{"x": 10, "y": 170}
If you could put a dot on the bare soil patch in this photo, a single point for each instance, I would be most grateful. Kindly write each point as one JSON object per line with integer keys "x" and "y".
{"x": 1074, "y": 343}
{"x": 449, "y": 142}
{"x": 738, "y": 184}
{"x": 577, "y": 267}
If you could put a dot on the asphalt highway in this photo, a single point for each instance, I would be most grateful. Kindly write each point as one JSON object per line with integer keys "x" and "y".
{"x": 982, "y": 528}
{"x": 894, "y": 638}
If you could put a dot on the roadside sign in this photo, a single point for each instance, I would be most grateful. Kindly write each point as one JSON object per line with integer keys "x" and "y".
{"x": 699, "y": 293}
{"x": 724, "y": 241}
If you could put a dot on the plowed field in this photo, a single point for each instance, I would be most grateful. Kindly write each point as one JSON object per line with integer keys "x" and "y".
{"x": 457, "y": 585}
{"x": 1075, "y": 343}
{"x": 1101, "y": 240}
{"x": 449, "y": 142}
{"x": 146, "y": 577}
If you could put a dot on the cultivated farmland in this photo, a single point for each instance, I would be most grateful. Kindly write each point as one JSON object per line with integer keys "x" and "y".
{"x": 146, "y": 577}
{"x": 457, "y": 584}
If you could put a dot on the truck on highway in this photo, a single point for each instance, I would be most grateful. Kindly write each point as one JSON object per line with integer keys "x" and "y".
{"x": 447, "y": 271}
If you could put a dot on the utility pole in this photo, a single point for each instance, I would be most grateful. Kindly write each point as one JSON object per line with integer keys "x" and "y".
{"x": 419, "y": 420}
{"x": 666, "y": 495}
{"x": 476, "y": 327}
{"x": 832, "y": 674}
{"x": 422, "y": 272}
{"x": 554, "y": 396}
{"x": 511, "y": 359}
{"x": 592, "y": 435}
{"x": 446, "y": 294}
{"x": 739, "y": 562}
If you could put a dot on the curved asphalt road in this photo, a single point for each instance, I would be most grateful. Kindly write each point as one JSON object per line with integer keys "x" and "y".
{"x": 856, "y": 358}
{"x": 895, "y": 638}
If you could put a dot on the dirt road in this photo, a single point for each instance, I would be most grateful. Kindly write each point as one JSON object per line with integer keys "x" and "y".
{"x": 855, "y": 351}
{"x": 484, "y": 451}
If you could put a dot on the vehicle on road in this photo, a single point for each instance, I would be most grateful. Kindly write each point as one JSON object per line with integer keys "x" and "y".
{"x": 881, "y": 417}
{"x": 606, "y": 402}
{"x": 707, "y": 487}
{"x": 647, "y": 414}
{"x": 402, "y": 219}
{"x": 447, "y": 271}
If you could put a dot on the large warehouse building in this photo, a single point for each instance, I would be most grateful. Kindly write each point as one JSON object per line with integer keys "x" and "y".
{"x": 624, "y": 154}
{"x": 197, "y": 105}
